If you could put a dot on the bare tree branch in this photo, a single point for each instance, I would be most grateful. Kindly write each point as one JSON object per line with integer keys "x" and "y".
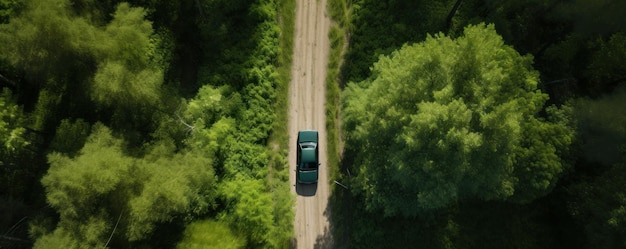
{"x": 190, "y": 127}
{"x": 452, "y": 13}
{"x": 114, "y": 228}
{"x": 8, "y": 82}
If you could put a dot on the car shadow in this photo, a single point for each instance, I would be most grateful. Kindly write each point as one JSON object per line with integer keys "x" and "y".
{"x": 306, "y": 189}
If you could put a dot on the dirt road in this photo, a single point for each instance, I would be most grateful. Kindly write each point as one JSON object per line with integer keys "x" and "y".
{"x": 307, "y": 111}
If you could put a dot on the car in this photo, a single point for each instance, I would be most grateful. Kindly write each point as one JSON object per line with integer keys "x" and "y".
{"x": 307, "y": 169}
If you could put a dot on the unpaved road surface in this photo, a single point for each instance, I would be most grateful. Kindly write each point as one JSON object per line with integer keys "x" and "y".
{"x": 306, "y": 111}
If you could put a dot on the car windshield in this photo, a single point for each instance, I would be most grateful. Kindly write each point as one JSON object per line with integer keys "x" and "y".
{"x": 308, "y": 145}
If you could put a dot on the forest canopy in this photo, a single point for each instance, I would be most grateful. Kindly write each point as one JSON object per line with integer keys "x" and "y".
{"x": 570, "y": 196}
{"x": 454, "y": 118}
{"x": 125, "y": 125}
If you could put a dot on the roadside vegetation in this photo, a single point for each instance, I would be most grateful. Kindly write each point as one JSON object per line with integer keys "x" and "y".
{"x": 338, "y": 45}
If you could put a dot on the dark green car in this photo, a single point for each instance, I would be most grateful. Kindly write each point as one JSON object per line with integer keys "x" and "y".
{"x": 308, "y": 157}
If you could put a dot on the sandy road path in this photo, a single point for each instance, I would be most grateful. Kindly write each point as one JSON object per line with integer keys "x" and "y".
{"x": 307, "y": 111}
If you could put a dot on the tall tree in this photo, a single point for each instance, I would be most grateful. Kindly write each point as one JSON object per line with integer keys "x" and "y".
{"x": 448, "y": 119}
{"x": 12, "y": 121}
{"x": 126, "y": 75}
{"x": 102, "y": 184}
{"x": 14, "y": 145}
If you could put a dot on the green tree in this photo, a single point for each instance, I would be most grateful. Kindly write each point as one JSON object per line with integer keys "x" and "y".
{"x": 78, "y": 189}
{"x": 46, "y": 40}
{"x": 102, "y": 184}
{"x": 12, "y": 121}
{"x": 126, "y": 76}
{"x": 249, "y": 209}
{"x": 599, "y": 204}
{"x": 70, "y": 63}
{"x": 449, "y": 119}
{"x": 605, "y": 67}
{"x": 7, "y": 8}
{"x": 597, "y": 198}
{"x": 70, "y": 136}
{"x": 14, "y": 146}
{"x": 210, "y": 234}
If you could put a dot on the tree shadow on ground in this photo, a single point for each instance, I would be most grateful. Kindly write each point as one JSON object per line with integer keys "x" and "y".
{"x": 325, "y": 241}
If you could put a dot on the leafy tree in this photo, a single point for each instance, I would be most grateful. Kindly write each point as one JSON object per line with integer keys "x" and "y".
{"x": 126, "y": 76}
{"x": 15, "y": 147}
{"x": 449, "y": 119}
{"x": 7, "y": 8}
{"x": 249, "y": 209}
{"x": 117, "y": 66}
{"x": 605, "y": 67}
{"x": 210, "y": 234}
{"x": 46, "y": 40}
{"x": 76, "y": 189}
{"x": 102, "y": 184}
{"x": 70, "y": 136}
{"x": 597, "y": 198}
{"x": 598, "y": 203}
{"x": 12, "y": 121}
{"x": 380, "y": 27}
{"x": 175, "y": 184}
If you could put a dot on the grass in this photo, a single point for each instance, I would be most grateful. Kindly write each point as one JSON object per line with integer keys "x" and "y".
{"x": 286, "y": 13}
{"x": 340, "y": 14}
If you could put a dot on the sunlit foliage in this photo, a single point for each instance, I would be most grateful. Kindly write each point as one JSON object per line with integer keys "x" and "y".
{"x": 450, "y": 119}
{"x": 102, "y": 183}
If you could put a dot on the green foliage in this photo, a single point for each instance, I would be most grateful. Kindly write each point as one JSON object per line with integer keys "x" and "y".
{"x": 61, "y": 238}
{"x": 575, "y": 45}
{"x": 116, "y": 85}
{"x": 7, "y": 9}
{"x": 210, "y": 104}
{"x": 116, "y": 65}
{"x": 11, "y": 126}
{"x": 128, "y": 38}
{"x": 90, "y": 65}
{"x": 90, "y": 190}
{"x": 602, "y": 128}
{"x": 15, "y": 147}
{"x": 76, "y": 187}
{"x": 380, "y": 27}
{"x": 340, "y": 11}
{"x": 66, "y": 38}
{"x": 599, "y": 203}
{"x": 126, "y": 76}
{"x": 445, "y": 120}
{"x": 178, "y": 184}
{"x": 250, "y": 208}
{"x": 70, "y": 136}
{"x": 333, "y": 102}
{"x": 210, "y": 234}
{"x": 606, "y": 67}
{"x": 596, "y": 198}
{"x": 234, "y": 121}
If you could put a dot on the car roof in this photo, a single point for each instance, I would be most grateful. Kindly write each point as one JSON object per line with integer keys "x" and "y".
{"x": 308, "y": 156}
